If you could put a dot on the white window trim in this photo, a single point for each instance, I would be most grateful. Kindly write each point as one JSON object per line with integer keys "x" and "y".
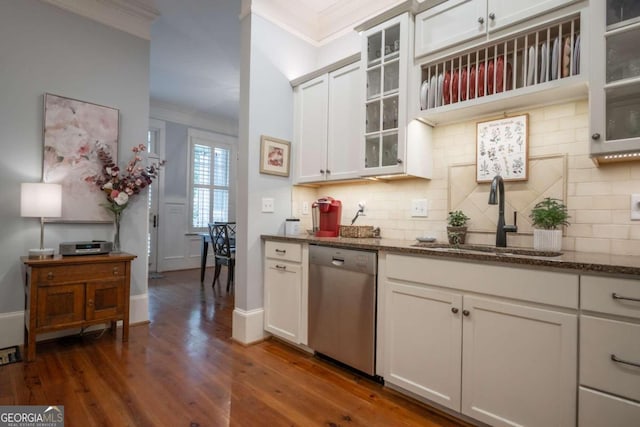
{"x": 214, "y": 139}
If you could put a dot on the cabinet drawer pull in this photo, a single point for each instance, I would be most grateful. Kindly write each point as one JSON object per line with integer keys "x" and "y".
{"x": 624, "y": 362}
{"x": 90, "y": 303}
{"x": 50, "y": 275}
{"x": 616, "y": 296}
{"x": 481, "y": 20}
{"x": 454, "y": 310}
{"x": 492, "y": 16}
{"x": 595, "y": 136}
{"x": 115, "y": 271}
{"x": 281, "y": 267}
{"x": 281, "y": 251}
{"x": 466, "y": 312}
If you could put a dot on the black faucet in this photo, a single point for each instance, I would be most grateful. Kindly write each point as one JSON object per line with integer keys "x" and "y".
{"x": 497, "y": 186}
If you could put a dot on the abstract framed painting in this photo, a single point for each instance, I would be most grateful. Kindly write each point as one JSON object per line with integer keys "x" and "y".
{"x": 72, "y": 129}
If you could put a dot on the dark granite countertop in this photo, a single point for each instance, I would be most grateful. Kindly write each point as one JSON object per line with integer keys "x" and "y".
{"x": 568, "y": 261}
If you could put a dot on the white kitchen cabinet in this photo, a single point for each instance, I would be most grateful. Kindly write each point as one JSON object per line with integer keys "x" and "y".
{"x": 423, "y": 341}
{"x": 285, "y": 290}
{"x": 609, "y": 351}
{"x": 328, "y": 126}
{"x": 493, "y": 343}
{"x": 614, "y": 87}
{"x": 518, "y": 359}
{"x": 392, "y": 145}
{"x": 311, "y": 101}
{"x": 456, "y": 21}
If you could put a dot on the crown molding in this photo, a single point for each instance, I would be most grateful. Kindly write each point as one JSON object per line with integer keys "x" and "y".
{"x": 131, "y": 16}
{"x": 318, "y": 28}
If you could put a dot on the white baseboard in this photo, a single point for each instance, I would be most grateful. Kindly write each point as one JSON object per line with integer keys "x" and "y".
{"x": 12, "y": 323}
{"x": 139, "y": 309}
{"x": 248, "y": 326}
{"x": 11, "y": 328}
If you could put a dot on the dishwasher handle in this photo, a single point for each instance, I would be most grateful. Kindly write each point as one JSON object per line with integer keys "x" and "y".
{"x": 338, "y": 262}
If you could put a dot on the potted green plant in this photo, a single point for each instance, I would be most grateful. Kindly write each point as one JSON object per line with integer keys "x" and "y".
{"x": 457, "y": 227}
{"x": 546, "y": 217}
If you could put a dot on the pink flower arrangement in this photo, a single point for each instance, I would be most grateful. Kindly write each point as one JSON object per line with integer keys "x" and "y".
{"x": 119, "y": 186}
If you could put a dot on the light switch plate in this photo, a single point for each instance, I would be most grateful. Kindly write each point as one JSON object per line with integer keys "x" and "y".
{"x": 268, "y": 204}
{"x": 305, "y": 208}
{"x": 419, "y": 208}
{"x": 635, "y": 207}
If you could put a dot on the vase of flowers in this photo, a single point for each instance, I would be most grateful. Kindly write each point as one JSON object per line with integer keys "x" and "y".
{"x": 120, "y": 186}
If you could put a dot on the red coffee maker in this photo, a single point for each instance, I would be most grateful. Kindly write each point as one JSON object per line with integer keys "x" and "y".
{"x": 326, "y": 217}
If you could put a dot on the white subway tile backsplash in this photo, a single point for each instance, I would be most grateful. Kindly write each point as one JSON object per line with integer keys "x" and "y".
{"x": 598, "y": 198}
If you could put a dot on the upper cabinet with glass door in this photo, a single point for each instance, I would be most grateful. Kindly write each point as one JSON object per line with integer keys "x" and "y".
{"x": 615, "y": 81}
{"x": 385, "y": 51}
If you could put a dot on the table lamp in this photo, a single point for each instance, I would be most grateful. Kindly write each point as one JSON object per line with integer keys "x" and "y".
{"x": 41, "y": 200}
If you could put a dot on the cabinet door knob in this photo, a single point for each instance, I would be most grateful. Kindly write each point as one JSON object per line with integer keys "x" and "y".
{"x": 399, "y": 161}
{"x": 90, "y": 303}
{"x": 595, "y": 136}
{"x": 115, "y": 271}
{"x": 454, "y": 310}
{"x": 481, "y": 20}
{"x": 492, "y": 16}
{"x": 322, "y": 171}
{"x": 328, "y": 171}
{"x": 50, "y": 275}
{"x": 466, "y": 312}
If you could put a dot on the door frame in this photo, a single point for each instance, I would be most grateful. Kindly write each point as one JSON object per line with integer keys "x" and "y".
{"x": 153, "y": 263}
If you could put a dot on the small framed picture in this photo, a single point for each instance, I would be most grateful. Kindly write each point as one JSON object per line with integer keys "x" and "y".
{"x": 502, "y": 149}
{"x": 275, "y": 156}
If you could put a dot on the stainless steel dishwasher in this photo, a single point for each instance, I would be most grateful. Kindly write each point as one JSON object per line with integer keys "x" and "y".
{"x": 342, "y": 305}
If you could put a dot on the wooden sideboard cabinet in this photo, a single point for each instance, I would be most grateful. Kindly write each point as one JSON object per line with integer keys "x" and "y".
{"x": 72, "y": 292}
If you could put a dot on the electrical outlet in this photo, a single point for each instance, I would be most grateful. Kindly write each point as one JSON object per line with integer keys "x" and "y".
{"x": 419, "y": 208}
{"x": 305, "y": 208}
{"x": 635, "y": 207}
{"x": 268, "y": 204}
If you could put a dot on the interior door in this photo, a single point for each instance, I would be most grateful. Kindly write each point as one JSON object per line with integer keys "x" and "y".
{"x": 155, "y": 149}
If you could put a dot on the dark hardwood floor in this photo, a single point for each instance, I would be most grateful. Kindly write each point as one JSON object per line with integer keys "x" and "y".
{"x": 183, "y": 369}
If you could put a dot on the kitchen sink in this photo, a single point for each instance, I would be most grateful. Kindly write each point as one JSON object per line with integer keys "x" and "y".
{"x": 480, "y": 249}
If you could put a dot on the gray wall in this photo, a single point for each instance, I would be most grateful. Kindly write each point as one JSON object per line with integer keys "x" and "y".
{"x": 46, "y": 49}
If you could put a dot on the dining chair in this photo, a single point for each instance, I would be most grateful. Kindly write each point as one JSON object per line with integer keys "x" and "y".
{"x": 223, "y": 250}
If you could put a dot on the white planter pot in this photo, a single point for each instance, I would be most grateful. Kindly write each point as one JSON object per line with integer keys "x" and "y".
{"x": 547, "y": 240}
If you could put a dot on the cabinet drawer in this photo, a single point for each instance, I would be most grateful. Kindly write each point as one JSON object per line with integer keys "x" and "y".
{"x": 596, "y": 294}
{"x": 598, "y": 409}
{"x": 75, "y": 273}
{"x": 283, "y": 267}
{"x": 599, "y": 340}
{"x": 284, "y": 251}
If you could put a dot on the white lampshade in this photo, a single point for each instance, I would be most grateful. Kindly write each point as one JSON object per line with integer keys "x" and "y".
{"x": 40, "y": 200}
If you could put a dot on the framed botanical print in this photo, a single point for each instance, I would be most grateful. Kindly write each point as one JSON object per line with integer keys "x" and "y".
{"x": 502, "y": 149}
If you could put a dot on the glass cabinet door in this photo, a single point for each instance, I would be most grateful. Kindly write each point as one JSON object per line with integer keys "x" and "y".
{"x": 382, "y": 105}
{"x": 622, "y": 88}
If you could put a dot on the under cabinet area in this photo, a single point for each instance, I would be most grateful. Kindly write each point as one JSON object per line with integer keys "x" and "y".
{"x": 493, "y": 343}
{"x": 609, "y": 352}
{"x": 328, "y": 126}
{"x": 75, "y": 292}
{"x": 285, "y": 290}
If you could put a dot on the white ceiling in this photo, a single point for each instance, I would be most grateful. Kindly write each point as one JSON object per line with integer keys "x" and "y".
{"x": 195, "y": 45}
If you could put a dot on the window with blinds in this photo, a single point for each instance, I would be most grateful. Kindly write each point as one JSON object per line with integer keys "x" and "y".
{"x": 209, "y": 184}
